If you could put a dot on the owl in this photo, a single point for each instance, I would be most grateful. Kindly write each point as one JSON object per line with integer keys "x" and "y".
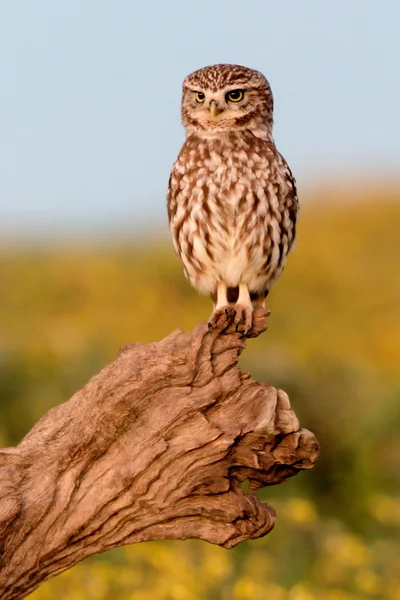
{"x": 232, "y": 200}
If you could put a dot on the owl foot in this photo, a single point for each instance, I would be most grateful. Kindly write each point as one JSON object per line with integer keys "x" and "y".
{"x": 244, "y": 310}
{"x": 221, "y": 318}
{"x": 243, "y": 318}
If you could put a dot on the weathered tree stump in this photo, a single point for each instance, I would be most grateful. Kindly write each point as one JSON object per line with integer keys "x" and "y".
{"x": 154, "y": 447}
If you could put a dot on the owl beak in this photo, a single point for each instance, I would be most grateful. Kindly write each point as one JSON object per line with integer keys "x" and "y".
{"x": 214, "y": 109}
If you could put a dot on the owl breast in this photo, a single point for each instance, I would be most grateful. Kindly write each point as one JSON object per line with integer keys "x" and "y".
{"x": 232, "y": 207}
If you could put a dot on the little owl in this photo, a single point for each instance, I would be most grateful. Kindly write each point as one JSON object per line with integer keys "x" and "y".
{"x": 232, "y": 199}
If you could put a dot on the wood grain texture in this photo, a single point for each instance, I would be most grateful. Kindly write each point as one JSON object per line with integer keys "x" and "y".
{"x": 153, "y": 447}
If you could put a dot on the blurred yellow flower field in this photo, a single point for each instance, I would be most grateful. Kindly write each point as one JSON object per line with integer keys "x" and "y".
{"x": 333, "y": 344}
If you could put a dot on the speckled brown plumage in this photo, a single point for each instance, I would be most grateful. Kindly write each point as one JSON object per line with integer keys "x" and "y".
{"x": 232, "y": 200}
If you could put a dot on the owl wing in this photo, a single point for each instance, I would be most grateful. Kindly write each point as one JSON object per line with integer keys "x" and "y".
{"x": 290, "y": 205}
{"x": 175, "y": 220}
{"x": 280, "y": 223}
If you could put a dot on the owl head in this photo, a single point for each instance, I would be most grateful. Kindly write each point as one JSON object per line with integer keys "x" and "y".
{"x": 227, "y": 98}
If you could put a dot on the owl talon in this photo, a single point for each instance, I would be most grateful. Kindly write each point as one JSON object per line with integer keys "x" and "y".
{"x": 243, "y": 319}
{"x": 221, "y": 318}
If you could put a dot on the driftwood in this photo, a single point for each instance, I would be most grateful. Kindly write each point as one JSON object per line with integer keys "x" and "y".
{"x": 154, "y": 447}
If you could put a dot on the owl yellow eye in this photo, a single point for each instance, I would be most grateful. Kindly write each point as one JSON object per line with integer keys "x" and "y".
{"x": 235, "y": 96}
{"x": 199, "y": 97}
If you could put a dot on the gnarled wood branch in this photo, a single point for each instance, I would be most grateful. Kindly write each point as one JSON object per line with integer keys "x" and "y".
{"x": 154, "y": 446}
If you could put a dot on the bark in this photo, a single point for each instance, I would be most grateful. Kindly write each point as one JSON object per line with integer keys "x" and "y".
{"x": 153, "y": 447}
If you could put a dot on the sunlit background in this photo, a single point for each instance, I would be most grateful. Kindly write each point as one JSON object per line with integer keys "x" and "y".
{"x": 89, "y": 128}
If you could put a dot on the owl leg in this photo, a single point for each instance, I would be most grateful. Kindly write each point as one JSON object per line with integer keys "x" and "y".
{"x": 222, "y": 311}
{"x": 222, "y": 295}
{"x": 244, "y": 308}
{"x": 258, "y": 300}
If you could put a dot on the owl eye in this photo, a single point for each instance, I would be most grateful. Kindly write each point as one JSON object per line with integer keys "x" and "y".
{"x": 199, "y": 97}
{"x": 235, "y": 96}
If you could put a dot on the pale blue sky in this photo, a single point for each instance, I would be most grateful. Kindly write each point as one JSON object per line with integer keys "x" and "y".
{"x": 90, "y": 95}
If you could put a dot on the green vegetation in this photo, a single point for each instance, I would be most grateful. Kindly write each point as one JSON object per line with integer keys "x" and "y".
{"x": 333, "y": 344}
